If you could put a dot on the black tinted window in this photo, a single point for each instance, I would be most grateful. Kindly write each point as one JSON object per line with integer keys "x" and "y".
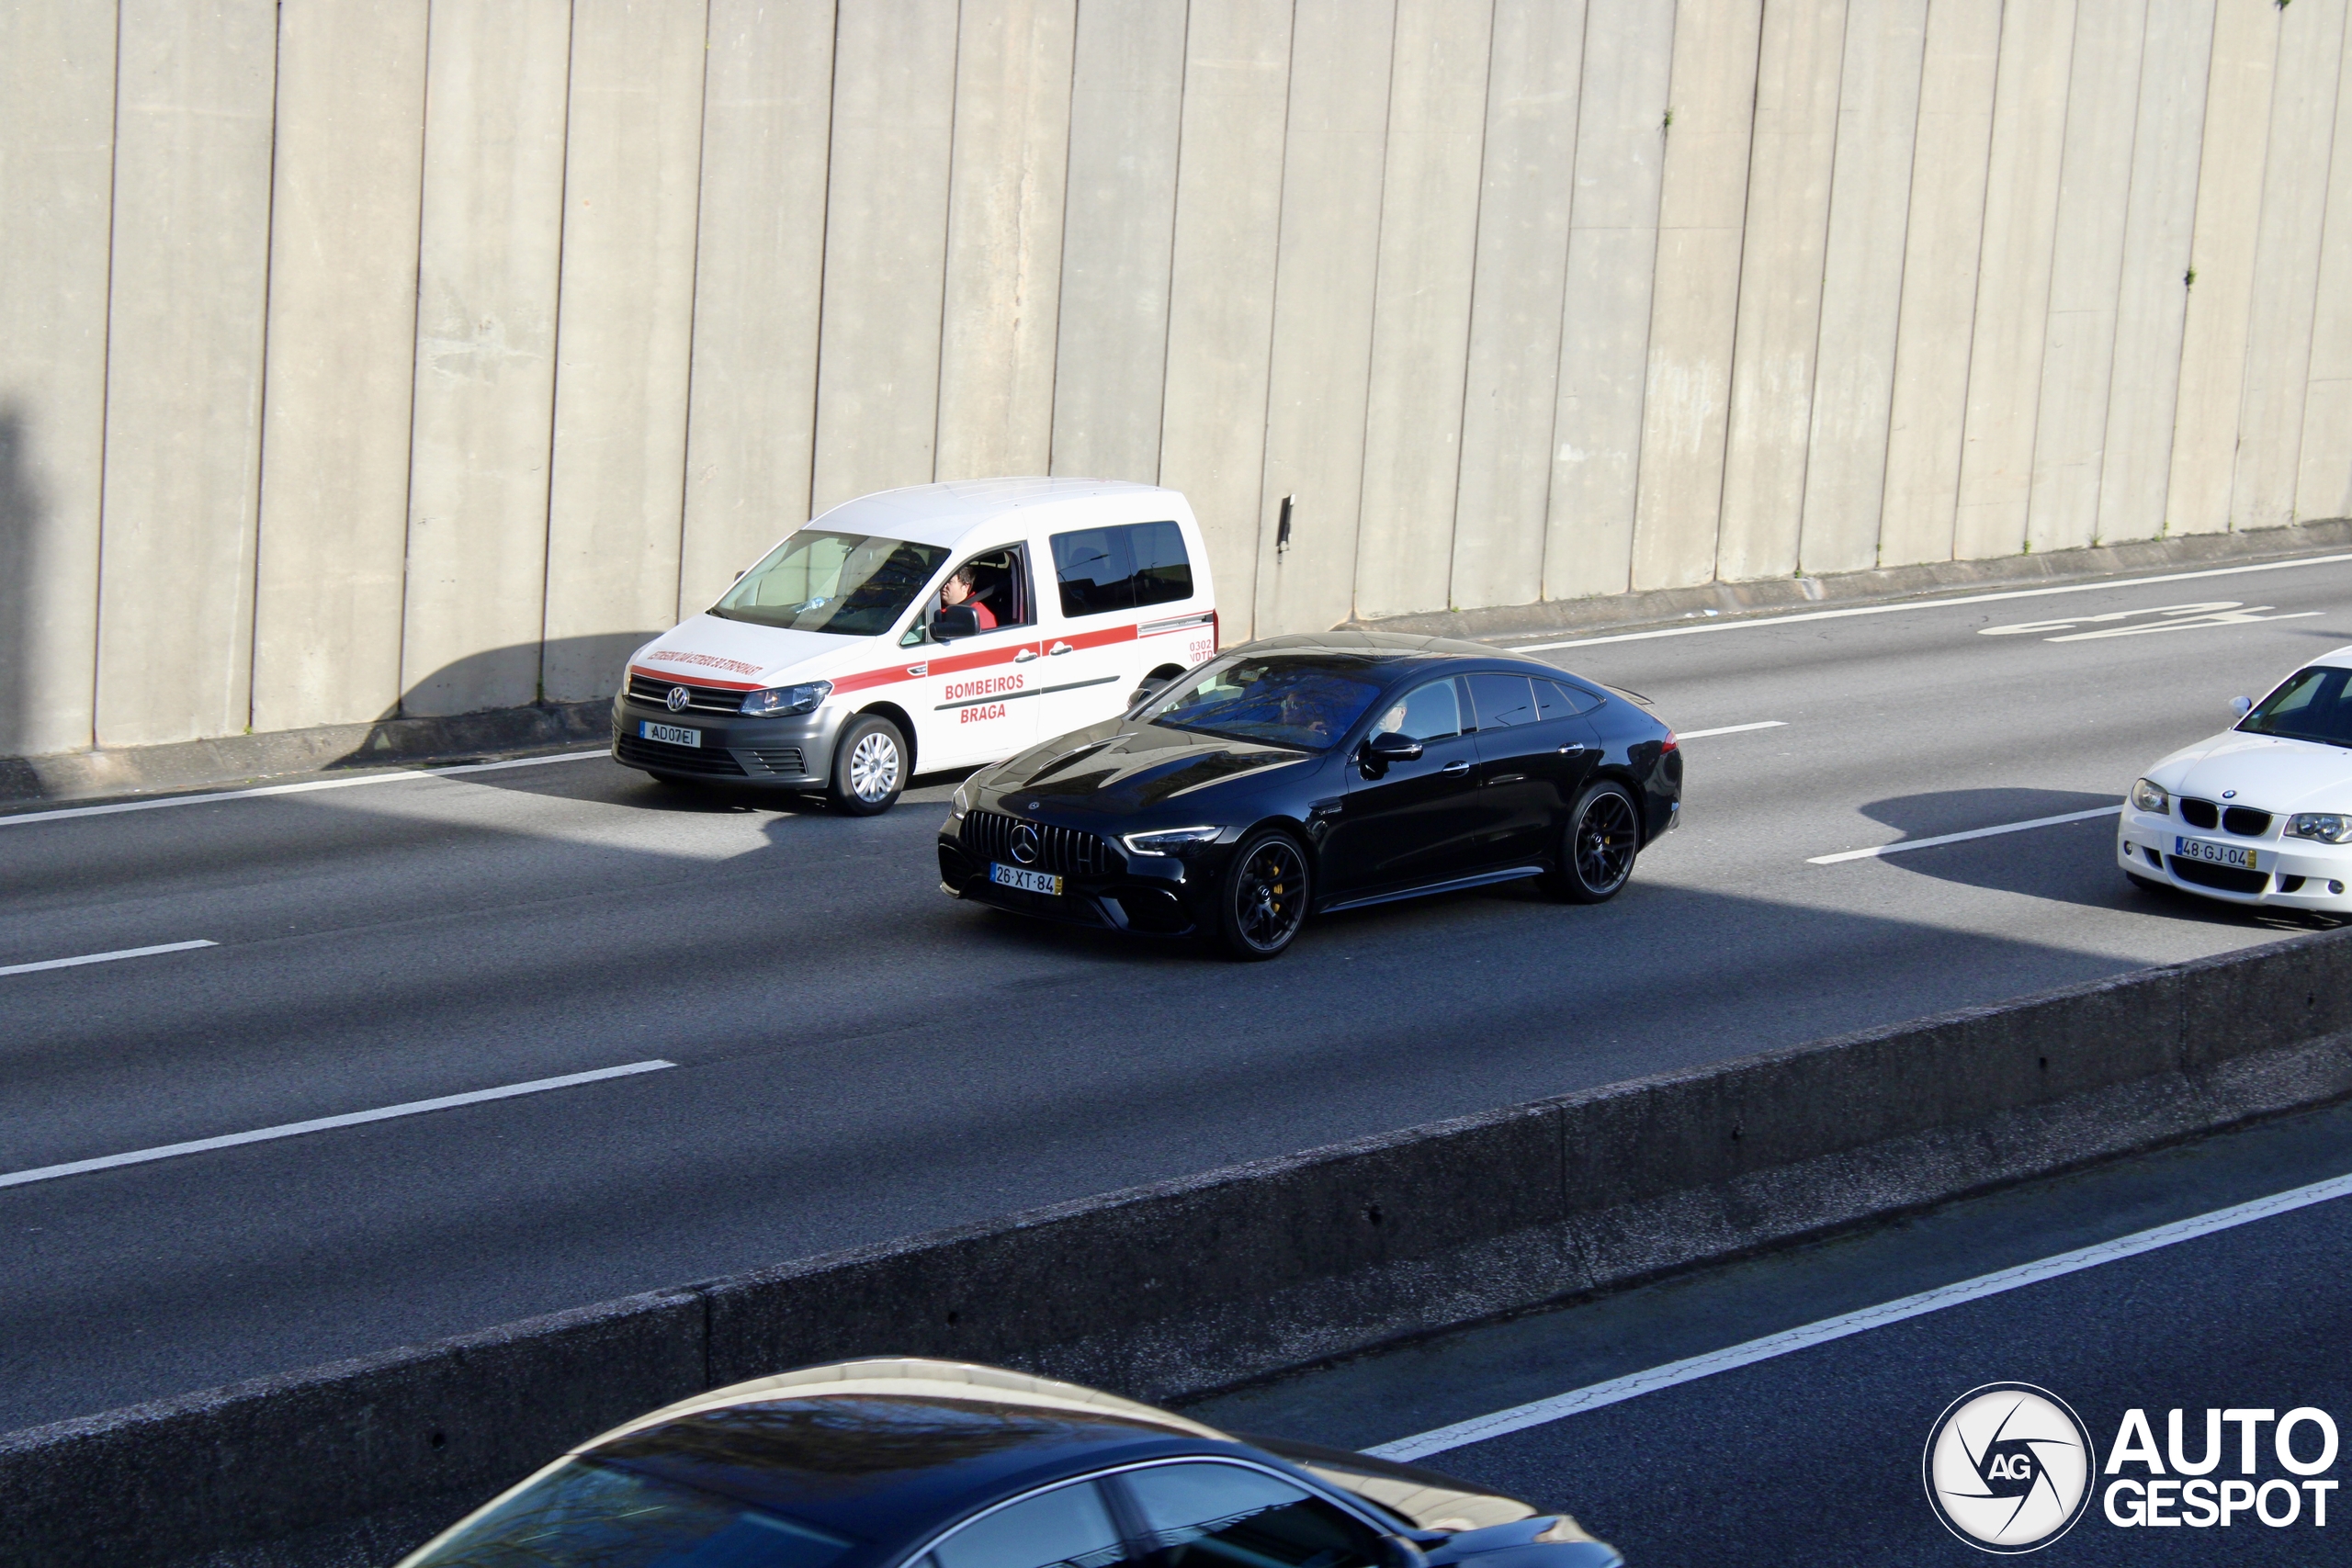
{"x": 1105, "y": 570}
{"x": 2314, "y": 704}
{"x": 1558, "y": 699}
{"x": 613, "y": 1518}
{"x": 1427, "y": 713}
{"x": 1222, "y": 1516}
{"x": 1067, "y": 1528}
{"x": 1502, "y": 700}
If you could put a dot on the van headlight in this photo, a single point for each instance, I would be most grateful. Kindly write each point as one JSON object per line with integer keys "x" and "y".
{"x": 1169, "y": 839}
{"x": 777, "y": 702}
{"x": 2327, "y": 826}
{"x": 2146, "y": 797}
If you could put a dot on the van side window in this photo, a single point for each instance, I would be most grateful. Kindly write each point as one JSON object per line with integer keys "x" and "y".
{"x": 1127, "y": 568}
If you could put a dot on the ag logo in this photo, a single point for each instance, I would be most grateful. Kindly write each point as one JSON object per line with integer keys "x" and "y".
{"x": 2008, "y": 1467}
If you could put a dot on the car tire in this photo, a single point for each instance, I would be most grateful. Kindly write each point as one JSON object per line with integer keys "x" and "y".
{"x": 869, "y": 766}
{"x": 1262, "y": 902}
{"x": 1599, "y": 846}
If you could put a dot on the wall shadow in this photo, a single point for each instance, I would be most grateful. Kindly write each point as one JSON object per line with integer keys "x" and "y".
{"x": 488, "y": 703}
{"x": 20, "y": 519}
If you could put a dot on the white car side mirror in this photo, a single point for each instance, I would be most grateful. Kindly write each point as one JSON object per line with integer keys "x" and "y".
{"x": 2241, "y": 705}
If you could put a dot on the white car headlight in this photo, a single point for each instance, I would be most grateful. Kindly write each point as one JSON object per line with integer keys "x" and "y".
{"x": 1169, "y": 839}
{"x": 778, "y": 701}
{"x": 2146, "y": 797}
{"x": 2327, "y": 826}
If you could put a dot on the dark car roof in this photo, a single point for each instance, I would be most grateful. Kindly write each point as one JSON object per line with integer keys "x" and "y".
{"x": 1391, "y": 645}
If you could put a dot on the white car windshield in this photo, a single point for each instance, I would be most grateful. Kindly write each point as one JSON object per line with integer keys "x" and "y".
{"x": 2311, "y": 704}
{"x": 817, "y": 580}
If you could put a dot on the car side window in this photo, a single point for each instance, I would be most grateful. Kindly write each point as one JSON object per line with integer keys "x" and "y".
{"x": 1069, "y": 1526}
{"x": 999, "y": 584}
{"x": 1426, "y": 713}
{"x": 1558, "y": 699}
{"x": 1226, "y": 1516}
{"x": 1502, "y": 701}
{"x": 1102, "y": 571}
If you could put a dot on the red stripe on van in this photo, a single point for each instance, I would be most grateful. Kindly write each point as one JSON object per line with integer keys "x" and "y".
{"x": 697, "y": 679}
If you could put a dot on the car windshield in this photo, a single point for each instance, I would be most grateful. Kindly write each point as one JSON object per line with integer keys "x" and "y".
{"x": 2311, "y": 704}
{"x": 585, "y": 1513}
{"x": 1304, "y": 700}
{"x": 817, "y": 580}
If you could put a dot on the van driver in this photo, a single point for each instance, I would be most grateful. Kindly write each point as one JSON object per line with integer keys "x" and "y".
{"x": 957, "y": 590}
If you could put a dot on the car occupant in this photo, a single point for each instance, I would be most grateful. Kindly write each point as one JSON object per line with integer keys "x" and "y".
{"x": 957, "y": 590}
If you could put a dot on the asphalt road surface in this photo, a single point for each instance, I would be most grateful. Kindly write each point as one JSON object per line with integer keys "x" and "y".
{"x": 1815, "y": 1455}
{"x": 857, "y": 1056}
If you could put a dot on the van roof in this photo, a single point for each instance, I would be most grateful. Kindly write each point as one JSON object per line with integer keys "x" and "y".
{"x": 945, "y": 514}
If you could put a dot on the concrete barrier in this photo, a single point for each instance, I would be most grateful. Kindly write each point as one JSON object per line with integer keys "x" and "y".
{"x": 1190, "y": 1285}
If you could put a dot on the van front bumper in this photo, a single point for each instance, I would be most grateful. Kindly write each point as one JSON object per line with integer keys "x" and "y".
{"x": 795, "y": 750}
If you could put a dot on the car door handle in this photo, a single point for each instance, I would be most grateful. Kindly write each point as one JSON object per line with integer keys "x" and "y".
{"x": 1574, "y": 750}
{"x": 1504, "y": 778}
{"x": 1060, "y": 648}
{"x": 1025, "y": 656}
{"x": 1456, "y": 770}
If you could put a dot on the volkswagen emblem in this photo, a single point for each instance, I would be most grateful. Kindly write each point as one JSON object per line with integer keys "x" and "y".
{"x": 679, "y": 697}
{"x": 1024, "y": 843}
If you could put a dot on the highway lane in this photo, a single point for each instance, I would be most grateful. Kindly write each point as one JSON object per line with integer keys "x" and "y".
{"x": 859, "y": 1058}
{"x": 1815, "y": 1456}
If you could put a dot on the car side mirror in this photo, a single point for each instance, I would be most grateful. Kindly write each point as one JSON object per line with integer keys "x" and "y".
{"x": 1392, "y": 748}
{"x": 2241, "y": 705}
{"x": 952, "y": 621}
{"x": 1146, "y": 689}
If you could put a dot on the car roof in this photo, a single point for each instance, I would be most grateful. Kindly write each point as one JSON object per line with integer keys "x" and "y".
{"x": 1404, "y": 649}
{"x": 2340, "y": 659}
{"x": 949, "y": 512}
{"x": 884, "y": 1451}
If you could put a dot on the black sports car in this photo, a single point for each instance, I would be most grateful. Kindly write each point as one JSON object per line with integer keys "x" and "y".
{"x": 941, "y": 1464}
{"x": 1302, "y": 774}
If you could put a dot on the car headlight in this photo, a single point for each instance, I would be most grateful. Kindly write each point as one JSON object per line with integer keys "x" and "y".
{"x": 2146, "y": 797}
{"x": 778, "y": 701}
{"x": 1169, "y": 839}
{"x": 2327, "y": 826}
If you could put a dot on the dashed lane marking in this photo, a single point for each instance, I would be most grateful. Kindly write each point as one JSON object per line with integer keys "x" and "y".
{"x": 105, "y": 957}
{"x": 1733, "y": 729}
{"x": 1879, "y": 851}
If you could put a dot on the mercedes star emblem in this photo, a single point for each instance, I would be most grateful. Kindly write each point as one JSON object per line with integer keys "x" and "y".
{"x": 1024, "y": 844}
{"x": 679, "y": 696}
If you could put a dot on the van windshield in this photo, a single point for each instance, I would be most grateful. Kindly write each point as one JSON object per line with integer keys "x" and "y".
{"x": 817, "y": 580}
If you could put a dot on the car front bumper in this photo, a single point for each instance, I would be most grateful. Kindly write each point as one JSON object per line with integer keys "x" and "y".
{"x": 1142, "y": 894}
{"x": 2293, "y": 873}
{"x": 794, "y": 751}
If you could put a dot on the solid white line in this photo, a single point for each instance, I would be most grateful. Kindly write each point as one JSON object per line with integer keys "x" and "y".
{"x": 302, "y": 788}
{"x": 320, "y": 1124}
{"x": 1879, "y": 851}
{"x": 1734, "y": 730}
{"x": 104, "y": 957}
{"x": 1519, "y": 1417}
{"x": 1923, "y": 604}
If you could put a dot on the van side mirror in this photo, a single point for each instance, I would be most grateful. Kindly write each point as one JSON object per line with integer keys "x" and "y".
{"x": 952, "y": 621}
{"x": 2241, "y": 705}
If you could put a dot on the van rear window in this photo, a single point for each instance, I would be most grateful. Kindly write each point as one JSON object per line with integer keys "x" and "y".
{"x": 1127, "y": 568}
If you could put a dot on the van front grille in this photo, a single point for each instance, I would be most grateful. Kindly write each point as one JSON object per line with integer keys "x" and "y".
{"x": 653, "y": 691}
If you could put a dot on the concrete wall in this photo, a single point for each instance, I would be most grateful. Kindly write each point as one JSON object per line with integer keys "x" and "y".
{"x": 413, "y": 357}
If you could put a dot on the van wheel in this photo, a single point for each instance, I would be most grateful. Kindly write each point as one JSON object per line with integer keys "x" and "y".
{"x": 869, "y": 766}
{"x": 1263, "y": 901}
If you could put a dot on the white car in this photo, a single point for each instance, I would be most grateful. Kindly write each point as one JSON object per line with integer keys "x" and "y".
{"x": 2262, "y": 812}
{"x": 943, "y": 625}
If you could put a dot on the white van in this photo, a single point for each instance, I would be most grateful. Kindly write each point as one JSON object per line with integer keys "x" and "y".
{"x": 833, "y": 662}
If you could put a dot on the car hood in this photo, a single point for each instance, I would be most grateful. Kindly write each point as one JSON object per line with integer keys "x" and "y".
{"x": 1116, "y": 767}
{"x": 720, "y": 649}
{"x": 2266, "y": 770}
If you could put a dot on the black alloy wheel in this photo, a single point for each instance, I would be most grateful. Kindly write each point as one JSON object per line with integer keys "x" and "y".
{"x": 869, "y": 766}
{"x": 1597, "y": 852}
{"x": 1264, "y": 900}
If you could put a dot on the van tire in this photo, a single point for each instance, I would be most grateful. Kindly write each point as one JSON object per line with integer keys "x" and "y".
{"x": 870, "y": 767}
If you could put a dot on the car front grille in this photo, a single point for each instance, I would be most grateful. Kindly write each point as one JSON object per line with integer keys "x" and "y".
{"x": 665, "y": 758}
{"x": 653, "y": 691}
{"x": 2228, "y": 878}
{"x": 1067, "y": 852}
{"x": 2243, "y": 820}
{"x": 2200, "y": 813}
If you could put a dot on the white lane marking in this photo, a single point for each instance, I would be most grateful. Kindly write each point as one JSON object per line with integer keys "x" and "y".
{"x": 302, "y": 788}
{"x": 321, "y": 1123}
{"x": 1543, "y": 1411}
{"x": 1734, "y": 730}
{"x": 2184, "y": 617}
{"x": 104, "y": 957}
{"x": 1922, "y": 604}
{"x": 1905, "y": 846}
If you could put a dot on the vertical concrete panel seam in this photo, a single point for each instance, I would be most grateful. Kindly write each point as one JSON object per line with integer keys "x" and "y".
{"x": 1175, "y": 217}
{"x": 947, "y": 236}
{"x": 1828, "y": 223}
{"x": 694, "y": 304}
{"x": 1551, "y": 467}
{"x": 105, "y": 375}
{"x": 1274, "y": 314}
{"x": 260, "y": 403}
{"x": 1902, "y": 286}
{"x": 1061, "y": 270}
{"x": 2270, "y": 144}
{"x": 1976, "y": 294}
{"x": 1739, "y": 290}
{"x": 555, "y": 349}
{"x": 2115, "y": 290}
{"x": 1470, "y": 316}
{"x": 1372, "y": 338}
{"x": 415, "y": 311}
{"x": 824, "y": 259}
{"x": 2172, "y": 429}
